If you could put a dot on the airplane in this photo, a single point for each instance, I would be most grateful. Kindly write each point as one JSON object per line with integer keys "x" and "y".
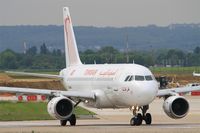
{"x": 104, "y": 86}
{"x": 196, "y": 74}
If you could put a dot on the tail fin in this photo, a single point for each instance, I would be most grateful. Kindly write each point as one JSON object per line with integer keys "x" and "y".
{"x": 71, "y": 51}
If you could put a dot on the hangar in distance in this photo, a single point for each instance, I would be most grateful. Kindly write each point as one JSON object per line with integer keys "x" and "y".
{"x": 104, "y": 86}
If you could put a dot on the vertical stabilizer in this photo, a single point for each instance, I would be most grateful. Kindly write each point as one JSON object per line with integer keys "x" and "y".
{"x": 71, "y": 51}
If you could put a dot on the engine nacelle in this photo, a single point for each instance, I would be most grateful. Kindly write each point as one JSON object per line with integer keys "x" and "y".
{"x": 176, "y": 107}
{"x": 60, "y": 108}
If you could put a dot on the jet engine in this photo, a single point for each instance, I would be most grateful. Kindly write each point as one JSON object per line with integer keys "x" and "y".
{"x": 176, "y": 107}
{"x": 60, "y": 108}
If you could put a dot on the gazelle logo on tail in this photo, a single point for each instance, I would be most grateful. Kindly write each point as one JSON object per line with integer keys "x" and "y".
{"x": 71, "y": 51}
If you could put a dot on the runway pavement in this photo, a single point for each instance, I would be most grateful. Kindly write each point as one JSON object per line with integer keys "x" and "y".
{"x": 115, "y": 121}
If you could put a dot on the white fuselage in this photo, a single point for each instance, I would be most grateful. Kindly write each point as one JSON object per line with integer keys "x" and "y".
{"x": 114, "y": 85}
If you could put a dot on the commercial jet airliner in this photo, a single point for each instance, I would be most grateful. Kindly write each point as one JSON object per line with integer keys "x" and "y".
{"x": 105, "y": 86}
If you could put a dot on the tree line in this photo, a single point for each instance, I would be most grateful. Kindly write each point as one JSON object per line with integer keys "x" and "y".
{"x": 43, "y": 58}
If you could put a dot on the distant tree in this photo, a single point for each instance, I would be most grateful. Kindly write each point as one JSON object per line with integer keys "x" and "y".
{"x": 56, "y": 59}
{"x": 193, "y": 59}
{"x": 175, "y": 57}
{"x": 108, "y": 49}
{"x": 197, "y": 50}
{"x": 89, "y": 51}
{"x": 8, "y": 59}
{"x": 57, "y": 52}
{"x": 161, "y": 59}
{"x": 120, "y": 58}
{"x": 25, "y": 62}
{"x": 108, "y": 54}
{"x": 32, "y": 50}
{"x": 44, "y": 49}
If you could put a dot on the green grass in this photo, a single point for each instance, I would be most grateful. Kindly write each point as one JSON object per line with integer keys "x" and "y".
{"x": 10, "y": 111}
{"x": 175, "y": 70}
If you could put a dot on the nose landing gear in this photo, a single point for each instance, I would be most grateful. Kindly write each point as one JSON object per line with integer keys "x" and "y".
{"x": 138, "y": 117}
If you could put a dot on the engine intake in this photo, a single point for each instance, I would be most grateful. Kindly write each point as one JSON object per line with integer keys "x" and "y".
{"x": 176, "y": 107}
{"x": 60, "y": 108}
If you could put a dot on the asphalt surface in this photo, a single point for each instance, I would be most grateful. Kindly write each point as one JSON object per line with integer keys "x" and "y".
{"x": 115, "y": 121}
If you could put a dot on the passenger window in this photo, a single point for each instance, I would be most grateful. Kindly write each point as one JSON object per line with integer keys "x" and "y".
{"x": 126, "y": 79}
{"x": 148, "y": 77}
{"x": 131, "y": 78}
{"x": 139, "y": 78}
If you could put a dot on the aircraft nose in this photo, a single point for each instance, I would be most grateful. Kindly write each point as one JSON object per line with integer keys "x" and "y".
{"x": 147, "y": 92}
{"x": 150, "y": 89}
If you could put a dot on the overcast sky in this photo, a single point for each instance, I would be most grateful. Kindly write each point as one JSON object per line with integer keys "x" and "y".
{"x": 117, "y": 13}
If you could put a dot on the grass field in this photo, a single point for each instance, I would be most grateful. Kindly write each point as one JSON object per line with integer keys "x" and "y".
{"x": 10, "y": 111}
{"x": 175, "y": 70}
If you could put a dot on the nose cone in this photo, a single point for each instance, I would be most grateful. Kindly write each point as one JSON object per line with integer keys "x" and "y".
{"x": 146, "y": 92}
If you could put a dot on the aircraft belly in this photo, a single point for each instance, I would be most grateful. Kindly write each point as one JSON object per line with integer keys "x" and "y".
{"x": 115, "y": 97}
{"x": 104, "y": 99}
{"x": 110, "y": 97}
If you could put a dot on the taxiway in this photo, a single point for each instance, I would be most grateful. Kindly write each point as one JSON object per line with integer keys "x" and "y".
{"x": 115, "y": 121}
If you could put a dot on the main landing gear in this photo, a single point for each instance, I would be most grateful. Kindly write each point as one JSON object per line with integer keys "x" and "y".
{"x": 72, "y": 121}
{"x": 138, "y": 117}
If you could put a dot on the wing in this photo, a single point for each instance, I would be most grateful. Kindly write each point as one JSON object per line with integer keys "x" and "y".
{"x": 35, "y": 74}
{"x": 174, "y": 91}
{"x": 75, "y": 94}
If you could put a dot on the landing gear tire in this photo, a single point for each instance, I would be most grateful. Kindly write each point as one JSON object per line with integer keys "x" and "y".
{"x": 138, "y": 118}
{"x": 133, "y": 121}
{"x": 148, "y": 118}
{"x": 72, "y": 120}
{"x": 63, "y": 122}
{"x": 136, "y": 121}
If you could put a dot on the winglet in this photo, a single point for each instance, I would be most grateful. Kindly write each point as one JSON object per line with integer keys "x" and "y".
{"x": 71, "y": 51}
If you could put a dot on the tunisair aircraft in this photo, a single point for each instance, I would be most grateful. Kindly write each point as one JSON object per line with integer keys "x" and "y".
{"x": 103, "y": 86}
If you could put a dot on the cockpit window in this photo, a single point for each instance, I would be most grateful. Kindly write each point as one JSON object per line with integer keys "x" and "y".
{"x": 126, "y": 79}
{"x": 148, "y": 77}
{"x": 139, "y": 78}
{"x": 131, "y": 78}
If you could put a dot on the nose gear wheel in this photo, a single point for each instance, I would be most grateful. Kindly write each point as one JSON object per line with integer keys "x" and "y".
{"x": 138, "y": 117}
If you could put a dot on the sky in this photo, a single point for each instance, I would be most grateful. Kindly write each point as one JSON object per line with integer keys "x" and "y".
{"x": 100, "y": 13}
